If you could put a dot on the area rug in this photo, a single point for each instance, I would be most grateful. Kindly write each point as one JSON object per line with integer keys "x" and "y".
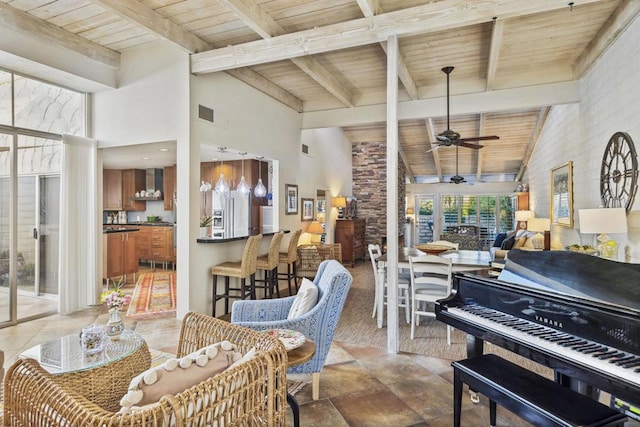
{"x": 154, "y": 295}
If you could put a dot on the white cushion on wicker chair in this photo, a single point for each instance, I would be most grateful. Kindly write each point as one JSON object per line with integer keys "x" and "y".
{"x": 177, "y": 375}
{"x": 306, "y": 299}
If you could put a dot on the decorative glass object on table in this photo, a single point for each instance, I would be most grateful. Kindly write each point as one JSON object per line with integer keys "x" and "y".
{"x": 92, "y": 338}
{"x": 602, "y": 221}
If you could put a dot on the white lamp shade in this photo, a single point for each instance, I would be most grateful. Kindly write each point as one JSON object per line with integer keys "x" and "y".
{"x": 539, "y": 224}
{"x": 605, "y": 220}
{"x": 523, "y": 215}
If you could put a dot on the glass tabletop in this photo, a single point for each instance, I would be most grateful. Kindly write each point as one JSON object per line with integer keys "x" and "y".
{"x": 64, "y": 355}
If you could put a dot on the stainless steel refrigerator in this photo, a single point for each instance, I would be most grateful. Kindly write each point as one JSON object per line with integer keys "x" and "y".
{"x": 236, "y": 213}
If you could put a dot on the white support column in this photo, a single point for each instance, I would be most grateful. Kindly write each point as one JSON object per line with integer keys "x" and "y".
{"x": 393, "y": 344}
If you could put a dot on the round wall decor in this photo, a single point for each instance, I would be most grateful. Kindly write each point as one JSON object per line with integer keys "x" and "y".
{"x": 619, "y": 172}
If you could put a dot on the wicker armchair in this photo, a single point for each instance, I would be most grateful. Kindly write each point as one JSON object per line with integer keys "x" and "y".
{"x": 310, "y": 257}
{"x": 252, "y": 393}
{"x": 319, "y": 324}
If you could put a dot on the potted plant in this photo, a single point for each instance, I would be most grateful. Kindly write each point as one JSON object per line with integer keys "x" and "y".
{"x": 205, "y": 223}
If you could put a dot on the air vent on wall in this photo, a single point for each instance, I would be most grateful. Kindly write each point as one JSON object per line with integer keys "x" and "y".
{"x": 305, "y": 148}
{"x": 205, "y": 113}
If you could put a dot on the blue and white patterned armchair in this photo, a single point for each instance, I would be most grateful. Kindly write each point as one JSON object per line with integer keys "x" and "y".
{"x": 319, "y": 324}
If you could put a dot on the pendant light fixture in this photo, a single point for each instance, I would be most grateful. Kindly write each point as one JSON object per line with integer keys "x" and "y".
{"x": 243, "y": 187}
{"x": 222, "y": 186}
{"x": 260, "y": 190}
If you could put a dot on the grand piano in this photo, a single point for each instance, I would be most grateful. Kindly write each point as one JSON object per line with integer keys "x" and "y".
{"x": 575, "y": 313}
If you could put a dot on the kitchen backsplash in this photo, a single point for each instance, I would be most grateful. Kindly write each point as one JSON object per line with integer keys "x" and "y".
{"x": 154, "y": 208}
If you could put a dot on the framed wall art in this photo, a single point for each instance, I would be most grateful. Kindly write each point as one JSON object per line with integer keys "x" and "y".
{"x": 307, "y": 209}
{"x": 562, "y": 195}
{"x": 291, "y": 199}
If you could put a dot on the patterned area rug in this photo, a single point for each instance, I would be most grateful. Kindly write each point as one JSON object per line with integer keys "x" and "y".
{"x": 155, "y": 294}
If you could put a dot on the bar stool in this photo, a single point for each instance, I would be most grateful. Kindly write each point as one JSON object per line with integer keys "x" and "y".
{"x": 240, "y": 269}
{"x": 290, "y": 258}
{"x": 269, "y": 263}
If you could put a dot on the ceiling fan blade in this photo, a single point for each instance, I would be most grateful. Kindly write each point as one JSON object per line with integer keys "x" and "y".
{"x": 433, "y": 148}
{"x": 474, "y": 146}
{"x": 480, "y": 138}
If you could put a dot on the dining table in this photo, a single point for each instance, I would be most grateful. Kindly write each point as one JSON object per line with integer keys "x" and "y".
{"x": 461, "y": 260}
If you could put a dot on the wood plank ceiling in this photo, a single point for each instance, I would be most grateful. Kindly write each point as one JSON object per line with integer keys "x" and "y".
{"x": 319, "y": 55}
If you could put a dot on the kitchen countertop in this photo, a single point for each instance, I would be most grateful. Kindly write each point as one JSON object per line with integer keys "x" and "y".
{"x": 116, "y": 228}
{"x": 233, "y": 239}
{"x": 143, "y": 224}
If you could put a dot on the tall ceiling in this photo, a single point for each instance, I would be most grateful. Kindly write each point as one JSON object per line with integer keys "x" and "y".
{"x": 513, "y": 59}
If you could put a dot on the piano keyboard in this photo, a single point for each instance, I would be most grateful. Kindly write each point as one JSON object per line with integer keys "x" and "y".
{"x": 617, "y": 363}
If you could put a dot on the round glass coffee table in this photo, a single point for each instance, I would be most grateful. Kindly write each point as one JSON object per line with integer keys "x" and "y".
{"x": 103, "y": 378}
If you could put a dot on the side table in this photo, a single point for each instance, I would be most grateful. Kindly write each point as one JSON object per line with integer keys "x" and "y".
{"x": 102, "y": 378}
{"x": 298, "y": 356}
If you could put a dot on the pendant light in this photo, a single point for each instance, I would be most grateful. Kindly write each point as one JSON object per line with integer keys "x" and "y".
{"x": 243, "y": 187}
{"x": 260, "y": 190}
{"x": 222, "y": 186}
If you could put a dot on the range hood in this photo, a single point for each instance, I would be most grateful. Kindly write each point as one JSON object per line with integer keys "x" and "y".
{"x": 154, "y": 182}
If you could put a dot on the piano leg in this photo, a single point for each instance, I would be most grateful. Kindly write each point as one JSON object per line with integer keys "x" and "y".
{"x": 577, "y": 385}
{"x": 475, "y": 347}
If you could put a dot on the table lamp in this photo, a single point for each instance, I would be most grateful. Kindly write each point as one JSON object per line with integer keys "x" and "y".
{"x": 540, "y": 226}
{"x": 522, "y": 217}
{"x": 602, "y": 221}
{"x": 340, "y": 202}
{"x": 316, "y": 229}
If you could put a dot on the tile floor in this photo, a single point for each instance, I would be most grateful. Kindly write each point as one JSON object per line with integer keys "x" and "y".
{"x": 359, "y": 386}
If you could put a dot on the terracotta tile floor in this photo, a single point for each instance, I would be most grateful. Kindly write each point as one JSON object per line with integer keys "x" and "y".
{"x": 359, "y": 386}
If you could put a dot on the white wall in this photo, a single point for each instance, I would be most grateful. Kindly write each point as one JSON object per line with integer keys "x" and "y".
{"x": 579, "y": 133}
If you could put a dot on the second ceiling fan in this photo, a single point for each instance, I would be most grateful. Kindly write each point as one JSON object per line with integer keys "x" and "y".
{"x": 450, "y": 137}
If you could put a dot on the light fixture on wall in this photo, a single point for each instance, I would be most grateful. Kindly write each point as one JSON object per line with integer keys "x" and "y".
{"x": 243, "y": 187}
{"x": 540, "y": 226}
{"x": 260, "y": 190}
{"x": 222, "y": 185}
{"x": 602, "y": 221}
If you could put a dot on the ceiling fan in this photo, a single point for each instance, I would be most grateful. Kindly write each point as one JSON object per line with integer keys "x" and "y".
{"x": 450, "y": 137}
{"x": 457, "y": 179}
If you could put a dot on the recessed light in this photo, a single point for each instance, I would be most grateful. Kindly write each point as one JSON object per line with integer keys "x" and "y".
{"x": 164, "y": 149}
{"x": 146, "y": 158}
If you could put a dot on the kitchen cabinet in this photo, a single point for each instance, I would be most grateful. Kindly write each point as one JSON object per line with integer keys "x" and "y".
{"x": 118, "y": 186}
{"x": 169, "y": 186}
{"x": 350, "y": 234}
{"x": 120, "y": 254}
{"x": 155, "y": 243}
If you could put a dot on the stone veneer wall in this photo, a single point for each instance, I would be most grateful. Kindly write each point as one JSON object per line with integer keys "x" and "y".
{"x": 369, "y": 163}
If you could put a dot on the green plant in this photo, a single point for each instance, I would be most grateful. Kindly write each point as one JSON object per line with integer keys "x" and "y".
{"x": 120, "y": 283}
{"x": 205, "y": 221}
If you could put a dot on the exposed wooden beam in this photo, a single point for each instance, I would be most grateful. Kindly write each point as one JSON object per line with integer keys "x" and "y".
{"x": 494, "y": 52}
{"x": 265, "y": 86}
{"x": 431, "y": 139}
{"x": 139, "y": 14}
{"x": 533, "y": 141}
{"x": 480, "y": 152}
{"x": 625, "y": 13}
{"x": 16, "y": 20}
{"x": 472, "y": 103}
{"x": 428, "y": 18}
{"x": 259, "y": 21}
{"x": 371, "y": 8}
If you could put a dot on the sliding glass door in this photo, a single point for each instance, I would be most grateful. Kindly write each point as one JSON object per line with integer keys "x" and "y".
{"x": 7, "y": 297}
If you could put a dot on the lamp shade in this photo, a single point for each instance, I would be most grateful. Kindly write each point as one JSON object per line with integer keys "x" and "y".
{"x": 604, "y": 220}
{"x": 339, "y": 202}
{"x": 539, "y": 224}
{"x": 523, "y": 215}
{"x": 315, "y": 228}
{"x": 409, "y": 211}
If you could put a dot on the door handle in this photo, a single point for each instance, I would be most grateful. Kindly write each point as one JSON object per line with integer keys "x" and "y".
{"x": 35, "y": 233}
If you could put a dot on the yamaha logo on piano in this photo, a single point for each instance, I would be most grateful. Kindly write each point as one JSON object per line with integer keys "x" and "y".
{"x": 548, "y": 321}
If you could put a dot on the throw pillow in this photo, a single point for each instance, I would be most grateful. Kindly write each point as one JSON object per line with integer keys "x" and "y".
{"x": 499, "y": 239}
{"x": 508, "y": 243}
{"x": 306, "y": 299}
{"x": 177, "y": 375}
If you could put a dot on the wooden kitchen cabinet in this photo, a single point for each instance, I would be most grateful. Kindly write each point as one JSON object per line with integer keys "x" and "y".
{"x": 118, "y": 186}
{"x": 350, "y": 234}
{"x": 121, "y": 256}
{"x": 169, "y": 184}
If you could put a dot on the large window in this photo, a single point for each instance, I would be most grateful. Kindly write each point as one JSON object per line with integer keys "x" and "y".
{"x": 492, "y": 214}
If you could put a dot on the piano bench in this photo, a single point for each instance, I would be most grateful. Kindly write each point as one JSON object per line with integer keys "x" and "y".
{"x": 534, "y": 398}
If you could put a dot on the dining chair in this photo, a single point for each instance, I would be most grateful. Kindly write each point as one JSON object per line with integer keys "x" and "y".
{"x": 451, "y": 245}
{"x": 430, "y": 281}
{"x": 404, "y": 281}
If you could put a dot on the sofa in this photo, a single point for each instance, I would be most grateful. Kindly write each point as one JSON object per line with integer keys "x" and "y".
{"x": 516, "y": 239}
{"x": 251, "y": 391}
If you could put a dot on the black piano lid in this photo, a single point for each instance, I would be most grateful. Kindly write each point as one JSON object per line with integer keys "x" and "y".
{"x": 580, "y": 275}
